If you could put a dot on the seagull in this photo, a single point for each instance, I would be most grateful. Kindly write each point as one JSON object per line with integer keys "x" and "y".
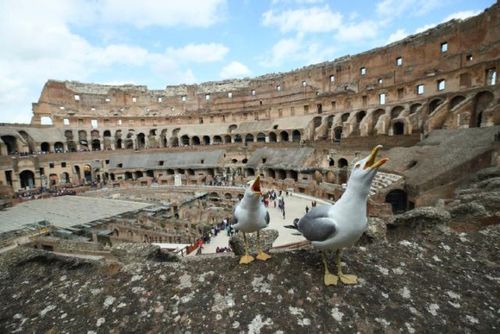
{"x": 250, "y": 215}
{"x": 334, "y": 227}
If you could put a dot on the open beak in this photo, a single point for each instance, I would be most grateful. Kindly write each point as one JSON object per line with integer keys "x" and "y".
{"x": 256, "y": 185}
{"x": 370, "y": 163}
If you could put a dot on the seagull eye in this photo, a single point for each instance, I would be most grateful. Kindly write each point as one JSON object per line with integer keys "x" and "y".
{"x": 357, "y": 166}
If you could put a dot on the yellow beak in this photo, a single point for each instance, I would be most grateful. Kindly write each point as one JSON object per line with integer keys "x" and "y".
{"x": 370, "y": 163}
{"x": 256, "y": 185}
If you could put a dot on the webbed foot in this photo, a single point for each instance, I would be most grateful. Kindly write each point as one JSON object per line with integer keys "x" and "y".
{"x": 331, "y": 279}
{"x": 246, "y": 259}
{"x": 349, "y": 279}
{"x": 263, "y": 256}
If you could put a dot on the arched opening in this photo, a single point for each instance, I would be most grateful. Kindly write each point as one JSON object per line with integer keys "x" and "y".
{"x": 59, "y": 147}
{"x": 271, "y": 173}
{"x": 398, "y": 128}
{"x": 337, "y": 133}
{"x": 141, "y": 141}
{"x": 283, "y": 136}
{"x": 53, "y": 180}
{"x": 398, "y": 200}
{"x": 232, "y": 127}
{"x": 376, "y": 116}
{"x": 217, "y": 140}
{"x": 195, "y": 140}
{"x": 360, "y": 115}
{"x": 27, "y": 179}
{"x": 163, "y": 138}
{"x": 30, "y": 142}
{"x": 272, "y": 137}
{"x": 174, "y": 141}
{"x": 206, "y": 140}
{"x": 69, "y": 140}
{"x": 11, "y": 143}
{"x": 228, "y": 196}
{"x": 481, "y": 102}
{"x": 261, "y": 138}
{"x": 118, "y": 144}
{"x": 250, "y": 172}
{"x": 342, "y": 163}
{"x": 150, "y": 173}
{"x": 296, "y": 136}
{"x": 64, "y": 177}
{"x": 414, "y": 108}
{"x": 138, "y": 174}
{"x": 249, "y": 138}
{"x": 331, "y": 162}
{"x": 128, "y": 175}
{"x": 456, "y": 101}
{"x": 107, "y": 133}
{"x": 396, "y": 112}
{"x": 185, "y": 140}
{"x": 227, "y": 139}
{"x": 45, "y": 147}
{"x": 280, "y": 174}
{"x": 82, "y": 139}
{"x": 78, "y": 173}
{"x": 316, "y": 121}
{"x": 344, "y": 117}
{"x": 434, "y": 104}
{"x": 237, "y": 139}
{"x": 87, "y": 173}
{"x": 96, "y": 145}
{"x": 190, "y": 172}
{"x": 294, "y": 175}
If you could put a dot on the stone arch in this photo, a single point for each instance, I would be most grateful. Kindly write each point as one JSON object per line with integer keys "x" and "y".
{"x": 250, "y": 172}
{"x": 482, "y": 101}
{"x": 280, "y": 174}
{"x": 398, "y": 199}
{"x": 228, "y": 196}
{"x": 141, "y": 140}
{"x": 271, "y": 173}
{"x": 272, "y": 137}
{"x": 294, "y": 175}
{"x": 163, "y": 138}
{"x": 82, "y": 139}
{"x": 59, "y": 147}
{"x": 65, "y": 177}
{"x": 53, "y": 179}
{"x": 342, "y": 163}
{"x": 118, "y": 144}
{"x": 11, "y": 143}
{"x": 206, "y": 140}
{"x": 396, "y": 111}
{"x": 398, "y": 128}
{"x": 296, "y": 136}
{"x": 96, "y": 145}
{"x": 317, "y": 121}
{"x": 94, "y": 134}
{"x": 284, "y": 136}
{"x": 185, "y": 140}
{"x": 227, "y": 139}
{"x": 344, "y": 117}
{"x": 360, "y": 115}
{"x": 249, "y": 138}
{"x": 195, "y": 140}
{"x": 106, "y": 133}
{"x": 376, "y": 118}
{"x": 31, "y": 146}
{"x": 337, "y": 134}
{"x": 455, "y": 101}
{"x": 414, "y": 107}
{"x": 217, "y": 140}
{"x": 128, "y": 175}
{"x": 261, "y": 137}
{"x": 45, "y": 147}
{"x": 434, "y": 104}
{"x": 231, "y": 128}
{"x": 27, "y": 179}
{"x": 87, "y": 173}
{"x": 237, "y": 138}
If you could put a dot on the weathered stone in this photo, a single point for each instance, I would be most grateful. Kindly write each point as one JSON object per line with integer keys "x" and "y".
{"x": 376, "y": 231}
{"x": 465, "y": 210}
{"x": 416, "y": 221}
{"x": 267, "y": 238}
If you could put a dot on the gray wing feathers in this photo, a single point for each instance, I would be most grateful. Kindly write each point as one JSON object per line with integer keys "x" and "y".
{"x": 267, "y": 218}
{"x": 317, "y": 225}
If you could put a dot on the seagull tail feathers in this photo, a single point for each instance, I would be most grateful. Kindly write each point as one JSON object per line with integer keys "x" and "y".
{"x": 294, "y": 226}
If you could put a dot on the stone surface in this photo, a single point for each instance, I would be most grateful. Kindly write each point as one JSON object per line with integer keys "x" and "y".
{"x": 267, "y": 237}
{"x": 445, "y": 282}
{"x": 416, "y": 221}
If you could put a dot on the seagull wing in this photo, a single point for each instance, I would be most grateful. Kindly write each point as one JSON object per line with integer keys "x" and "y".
{"x": 268, "y": 218}
{"x": 317, "y": 224}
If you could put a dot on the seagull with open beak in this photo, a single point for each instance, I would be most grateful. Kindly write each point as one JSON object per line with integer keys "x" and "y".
{"x": 250, "y": 215}
{"x": 334, "y": 227}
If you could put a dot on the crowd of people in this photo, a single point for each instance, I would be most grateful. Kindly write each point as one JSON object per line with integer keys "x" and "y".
{"x": 277, "y": 198}
{"x": 37, "y": 193}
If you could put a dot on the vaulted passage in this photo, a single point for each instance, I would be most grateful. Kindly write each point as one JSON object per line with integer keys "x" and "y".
{"x": 398, "y": 200}
{"x": 27, "y": 179}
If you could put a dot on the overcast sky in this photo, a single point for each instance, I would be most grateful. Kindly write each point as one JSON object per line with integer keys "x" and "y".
{"x": 163, "y": 42}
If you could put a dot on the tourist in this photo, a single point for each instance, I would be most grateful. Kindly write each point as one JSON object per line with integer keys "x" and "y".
{"x": 307, "y": 209}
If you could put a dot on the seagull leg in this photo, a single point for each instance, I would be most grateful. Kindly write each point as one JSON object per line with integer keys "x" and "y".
{"x": 330, "y": 279}
{"x": 246, "y": 259}
{"x": 346, "y": 279}
{"x": 261, "y": 255}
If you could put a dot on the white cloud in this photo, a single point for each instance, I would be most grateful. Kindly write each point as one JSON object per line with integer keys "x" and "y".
{"x": 458, "y": 15}
{"x": 310, "y": 20}
{"x": 41, "y": 46}
{"x": 358, "y": 31}
{"x": 199, "y": 53}
{"x": 397, "y": 35}
{"x": 393, "y": 8}
{"x": 234, "y": 69}
{"x": 284, "y": 49}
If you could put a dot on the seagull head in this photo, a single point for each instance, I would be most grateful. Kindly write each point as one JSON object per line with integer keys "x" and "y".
{"x": 254, "y": 190}
{"x": 364, "y": 171}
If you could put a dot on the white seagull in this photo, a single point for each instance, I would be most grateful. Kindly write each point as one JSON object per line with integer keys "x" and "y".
{"x": 250, "y": 215}
{"x": 333, "y": 227}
